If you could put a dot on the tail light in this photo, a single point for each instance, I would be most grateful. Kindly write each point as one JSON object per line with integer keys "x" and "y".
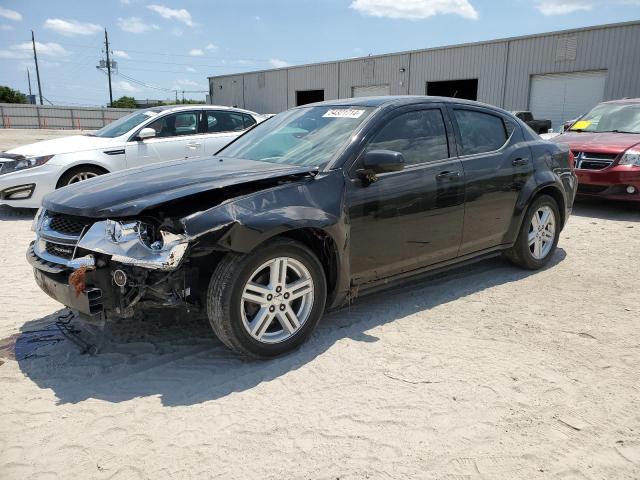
{"x": 572, "y": 161}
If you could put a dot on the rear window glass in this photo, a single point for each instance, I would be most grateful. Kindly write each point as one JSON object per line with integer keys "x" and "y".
{"x": 480, "y": 132}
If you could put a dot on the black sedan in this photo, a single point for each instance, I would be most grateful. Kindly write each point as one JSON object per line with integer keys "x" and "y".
{"x": 304, "y": 212}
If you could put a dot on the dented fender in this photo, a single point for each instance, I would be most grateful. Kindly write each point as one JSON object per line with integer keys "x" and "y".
{"x": 243, "y": 223}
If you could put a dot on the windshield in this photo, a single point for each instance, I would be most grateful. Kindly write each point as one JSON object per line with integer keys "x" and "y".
{"x": 610, "y": 117}
{"x": 308, "y": 136}
{"x": 124, "y": 124}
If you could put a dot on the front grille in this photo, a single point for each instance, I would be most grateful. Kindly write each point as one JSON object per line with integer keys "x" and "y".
{"x": 59, "y": 250}
{"x": 591, "y": 188}
{"x": 67, "y": 224}
{"x": 594, "y": 161}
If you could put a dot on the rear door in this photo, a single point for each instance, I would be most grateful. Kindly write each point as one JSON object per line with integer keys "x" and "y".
{"x": 221, "y": 126}
{"x": 413, "y": 217}
{"x": 176, "y": 137}
{"x": 497, "y": 163}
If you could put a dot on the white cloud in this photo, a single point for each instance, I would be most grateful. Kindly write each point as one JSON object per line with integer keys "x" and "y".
{"x": 187, "y": 83}
{"x": 125, "y": 86}
{"x": 177, "y": 31}
{"x": 182, "y": 15}
{"x": 24, "y": 50}
{"x": 135, "y": 25}
{"x": 120, "y": 54}
{"x": 125, "y": 2}
{"x": 6, "y": 28}
{"x": 71, "y": 27}
{"x": 414, "y": 9}
{"x": 211, "y": 46}
{"x": 191, "y": 69}
{"x": 562, "y": 7}
{"x": 277, "y": 63}
{"x": 196, "y": 52}
{"x": 10, "y": 14}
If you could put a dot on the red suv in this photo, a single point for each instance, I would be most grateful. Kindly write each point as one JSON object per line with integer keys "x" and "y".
{"x": 606, "y": 145}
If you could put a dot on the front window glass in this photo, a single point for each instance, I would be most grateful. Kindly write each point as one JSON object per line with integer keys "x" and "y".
{"x": 124, "y": 124}
{"x": 420, "y": 136}
{"x": 303, "y": 136}
{"x": 175, "y": 125}
{"x": 610, "y": 117}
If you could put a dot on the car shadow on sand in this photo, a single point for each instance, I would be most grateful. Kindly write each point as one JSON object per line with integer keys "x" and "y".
{"x": 599, "y": 209}
{"x": 178, "y": 359}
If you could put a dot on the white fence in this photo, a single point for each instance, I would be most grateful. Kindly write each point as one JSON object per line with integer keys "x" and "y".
{"x": 45, "y": 116}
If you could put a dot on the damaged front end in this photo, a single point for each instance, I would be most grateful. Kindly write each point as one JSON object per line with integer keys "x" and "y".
{"x": 111, "y": 268}
{"x": 163, "y": 255}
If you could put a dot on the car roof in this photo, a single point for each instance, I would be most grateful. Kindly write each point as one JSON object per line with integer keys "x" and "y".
{"x": 624, "y": 100}
{"x": 177, "y": 108}
{"x": 397, "y": 100}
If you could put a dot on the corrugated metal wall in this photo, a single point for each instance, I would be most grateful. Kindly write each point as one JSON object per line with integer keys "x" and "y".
{"x": 45, "y": 116}
{"x": 503, "y": 69}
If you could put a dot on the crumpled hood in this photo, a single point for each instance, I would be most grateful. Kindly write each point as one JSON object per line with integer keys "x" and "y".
{"x": 129, "y": 192}
{"x": 598, "y": 142}
{"x": 73, "y": 143}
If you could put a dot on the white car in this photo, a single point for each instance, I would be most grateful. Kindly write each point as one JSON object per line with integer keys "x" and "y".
{"x": 145, "y": 136}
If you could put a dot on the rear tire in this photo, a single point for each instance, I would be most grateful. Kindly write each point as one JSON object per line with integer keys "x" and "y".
{"x": 257, "y": 310}
{"x": 538, "y": 236}
{"x": 78, "y": 174}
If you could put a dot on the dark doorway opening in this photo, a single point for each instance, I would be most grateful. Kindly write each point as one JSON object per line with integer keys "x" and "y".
{"x": 309, "y": 96}
{"x": 467, "y": 89}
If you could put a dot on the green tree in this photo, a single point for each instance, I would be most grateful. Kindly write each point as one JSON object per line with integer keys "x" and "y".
{"x": 124, "y": 102}
{"x": 9, "y": 95}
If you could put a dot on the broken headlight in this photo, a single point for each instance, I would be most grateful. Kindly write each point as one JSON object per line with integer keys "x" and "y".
{"x": 136, "y": 243}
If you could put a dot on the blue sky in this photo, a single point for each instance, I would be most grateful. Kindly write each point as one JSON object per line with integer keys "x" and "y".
{"x": 176, "y": 45}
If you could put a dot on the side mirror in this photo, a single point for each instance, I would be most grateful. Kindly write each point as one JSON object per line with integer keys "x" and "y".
{"x": 146, "y": 133}
{"x": 379, "y": 161}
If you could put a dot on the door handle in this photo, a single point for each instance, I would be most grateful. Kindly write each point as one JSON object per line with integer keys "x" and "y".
{"x": 193, "y": 145}
{"x": 448, "y": 175}
{"x": 518, "y": 162}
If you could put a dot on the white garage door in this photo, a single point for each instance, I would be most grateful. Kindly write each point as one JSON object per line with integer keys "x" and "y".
{"x": 371, "y": 91}
{"x": 562, "y": 97}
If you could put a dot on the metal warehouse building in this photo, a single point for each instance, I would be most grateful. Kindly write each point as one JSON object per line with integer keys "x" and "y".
{"x": 558, "y": 75}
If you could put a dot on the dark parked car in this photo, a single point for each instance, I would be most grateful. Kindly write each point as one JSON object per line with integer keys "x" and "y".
{"x": 537, "y": 125}
{"x": 606, "y": 146}
{"x": 303, "y": 213}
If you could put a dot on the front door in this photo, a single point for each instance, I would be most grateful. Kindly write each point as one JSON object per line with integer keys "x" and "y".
{"x": 176, "y": 138}
{"x": 413, "y": 217}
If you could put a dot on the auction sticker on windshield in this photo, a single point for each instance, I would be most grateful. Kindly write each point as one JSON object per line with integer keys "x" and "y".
{"x": 343, "y": 113}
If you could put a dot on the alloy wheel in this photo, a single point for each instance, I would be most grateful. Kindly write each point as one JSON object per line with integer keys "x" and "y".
{"x": 277, "y": 300}
{"x": 80, "y": 176}
{"x": 542, "y": 232}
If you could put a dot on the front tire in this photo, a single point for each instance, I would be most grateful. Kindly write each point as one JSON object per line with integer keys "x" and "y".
{"x": 538, "y": 236}
{"x": 267, "y": 302}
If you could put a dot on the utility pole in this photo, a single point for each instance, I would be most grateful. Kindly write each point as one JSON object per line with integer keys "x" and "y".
{"x": 35, "y": 59}
{"x": 106, "y": 46}
{"x": 29, "y": 81}
{"x": 183, "y": 97}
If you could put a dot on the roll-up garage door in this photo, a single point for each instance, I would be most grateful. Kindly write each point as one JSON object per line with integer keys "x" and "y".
{"x": 371, "y": 91}
{"x": 562, "y": 97}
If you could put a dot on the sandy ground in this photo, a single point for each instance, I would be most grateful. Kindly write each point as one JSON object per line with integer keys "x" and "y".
{"x": 14, "y": 137}
{"x": 489, "y": 372}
